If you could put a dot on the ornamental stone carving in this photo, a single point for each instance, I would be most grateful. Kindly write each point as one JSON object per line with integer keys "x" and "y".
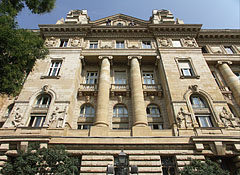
{"x": 189, "y": 42}
{"x": 193, "y": 88}
{"x": 17, "y": 118}
{"x": 58, "y": 117}
{"x": 227, "y": 118}
{"x": 60, "y": 21}
{"x": 52, "y": 42}
{"x": 184, "y": 119}
{"x": 164, "y": 42}
{"x": 75, "y": 42}
{"x": 45, "y": 88}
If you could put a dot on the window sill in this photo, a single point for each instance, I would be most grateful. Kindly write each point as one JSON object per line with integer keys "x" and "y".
{"x": 190, "y": 77}
{"x": 50, "y": 77}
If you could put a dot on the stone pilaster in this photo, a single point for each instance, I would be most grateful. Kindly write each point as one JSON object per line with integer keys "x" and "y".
{"x": 230, "y": 78}
{"x": 101, "y": 118}
{"x": 139, "y": 108}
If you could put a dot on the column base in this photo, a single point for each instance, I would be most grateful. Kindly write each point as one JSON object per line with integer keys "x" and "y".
{"x": 99, "y": 131}
{"x": 139, "y": 131}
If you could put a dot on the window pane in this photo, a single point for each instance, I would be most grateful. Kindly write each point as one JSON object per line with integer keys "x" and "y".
{"x": 229, "y": 50}
{"x": 153, "y": 111}
{"x": 148, "y": 78}
{"x": 120, "y": 77}
{"x": 176, "y": 43}
{"x": 87, "y": 111}
{"x": 120, "y": 111}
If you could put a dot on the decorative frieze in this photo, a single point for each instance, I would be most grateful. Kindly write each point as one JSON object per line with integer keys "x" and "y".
{"x": 52, "y": 42}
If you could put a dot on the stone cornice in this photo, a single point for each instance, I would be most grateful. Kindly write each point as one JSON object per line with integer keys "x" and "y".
{"x": 219, "y": 34}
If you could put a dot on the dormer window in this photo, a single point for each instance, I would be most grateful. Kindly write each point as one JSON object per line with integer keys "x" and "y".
{"x": 63, "y": 43}
{"x": 93, "y": 45}
{"x": 146, "y": 45}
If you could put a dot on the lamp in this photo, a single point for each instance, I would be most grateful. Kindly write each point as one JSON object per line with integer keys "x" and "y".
{"x": 122, "y": 157}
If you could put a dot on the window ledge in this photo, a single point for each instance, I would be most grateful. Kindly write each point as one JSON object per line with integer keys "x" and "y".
{"x": 50, "y": 77}
{"x": 190, "y": 77}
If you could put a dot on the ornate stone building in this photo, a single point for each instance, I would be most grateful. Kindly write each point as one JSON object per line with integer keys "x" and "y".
{"x": 162, "y": 91}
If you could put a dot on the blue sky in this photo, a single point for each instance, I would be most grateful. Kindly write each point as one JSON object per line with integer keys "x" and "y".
{"x": 213, "y": 14}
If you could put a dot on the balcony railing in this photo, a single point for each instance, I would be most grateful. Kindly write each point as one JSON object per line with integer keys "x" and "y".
{"x": 226, "y": 92}
{"x": 87, "y": 89}
{"x": 120, "y": 89}
{"x": 152, "y": 89}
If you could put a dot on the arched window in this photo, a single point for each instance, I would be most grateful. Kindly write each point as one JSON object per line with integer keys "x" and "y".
{"x": 201, "y": 111}
{"x": 120, "y": 111}
{"x": 8, "y": 111}
{"x": 153, "y": 111}
{"x": 87, "y": 110}
{"x": 43, "y": 101}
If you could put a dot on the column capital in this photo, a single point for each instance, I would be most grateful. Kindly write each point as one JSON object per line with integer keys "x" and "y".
{"x": 222, "y": 62}
{"x": 139, "y": 58}
{"x": 102, "y": 57}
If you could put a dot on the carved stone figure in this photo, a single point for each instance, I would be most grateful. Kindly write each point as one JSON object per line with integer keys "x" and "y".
{"x": 17, "y": 118}
{"x": 45, "y": 88}
{"x": 51, "y": 42}
{"x": 164, "y": 42}
{"x": 60, "y": 21}
{"x": 190, "y": 42}
{"x": 76, "y": 42}
{"x": 194, "y": 88}
{"x": 57, "y": 118}
{"x": 227, "y": 118}
{"x": 184, "y": 119}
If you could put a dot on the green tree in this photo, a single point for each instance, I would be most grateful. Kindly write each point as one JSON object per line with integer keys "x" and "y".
{"x": 197, "y": 167}
{"x": 43, "y": 161}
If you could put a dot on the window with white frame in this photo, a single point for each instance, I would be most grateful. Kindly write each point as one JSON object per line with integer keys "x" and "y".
{"x": 120, "y": 111}
{"x": 204, "y": 120}
{"x": 153, "y": 111}
{"x": 168, "y": 165}
{"x": 120, "y": 77}
{"x": 87, "y": 111}
{"x": 43, "y": 101}
{"x": 55, "y": 68}
{"x": 228, "y": 49}
{"x": 93, "y": 44}
{"x": 91, "y": 78}
{"x": 148, "y": 78}
{"x": 120, "y": 45}
{"x": 185, "y": 68}
{"x": 198, "y": 102}
{"x": 146, "y": 45}
{"x": 238, "y": 75}
{"x": 176, "y": 43}
{"x": 63, "y": 43}
{"x": 156, "y": 126}
{"x": 37, "y": 121}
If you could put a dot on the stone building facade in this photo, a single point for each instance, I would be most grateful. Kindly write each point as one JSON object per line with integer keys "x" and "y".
{"x": 162, "y": 91}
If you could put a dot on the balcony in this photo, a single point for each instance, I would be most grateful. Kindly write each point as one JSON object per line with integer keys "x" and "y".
{"x": 87, "y": 90}
{"x": 152, "y": 90}
{"x": 226, "y": 92}
{"x": 120, "y": 90}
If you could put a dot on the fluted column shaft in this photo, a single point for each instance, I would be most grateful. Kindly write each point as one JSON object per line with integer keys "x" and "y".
{"x": 101, "y": 118}
{"x": 231, "y": 79}
{"x": 139, "y": 108}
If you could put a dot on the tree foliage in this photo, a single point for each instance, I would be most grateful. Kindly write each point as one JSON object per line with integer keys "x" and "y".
{"x": 42, "y": 161}
{"x": 208, "y": 167}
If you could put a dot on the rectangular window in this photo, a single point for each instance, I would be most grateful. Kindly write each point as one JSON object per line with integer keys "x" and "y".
{"x": 216, "y": 79}
{"x": 168, "y": 165}
{"x": 91, "y": 78}
{"x": 84, "y": 126}
{"x": 55, "y": 68}
{"x": 37, "y": 121}
{"x": 148, "y": 78}
{"x": 146, "y": 45}
{"x": 63, "y": 43}
{"x": 186, "y": 69}
{"x": 156, "y": 126}
{"x": 204, "y": 121}
{"x": 120, "y": 77}
{"x": 176, "y": 43}
{"x": 228, "y": 50}
{"x": 93, "y": 45}
{"x": 120, "y": 45}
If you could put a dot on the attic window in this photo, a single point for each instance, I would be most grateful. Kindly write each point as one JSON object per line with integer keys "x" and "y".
{"x": 119, "y": 24}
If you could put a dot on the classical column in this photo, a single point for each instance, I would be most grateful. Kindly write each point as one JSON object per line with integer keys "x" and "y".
{"x": 230, "y": 78}
{"x": 101, "y": 118}
{"x": 138, "y": 105}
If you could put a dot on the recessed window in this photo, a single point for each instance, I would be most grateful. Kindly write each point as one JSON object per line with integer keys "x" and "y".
{"x": 55, "y": 68}
{"x": 186, "y": 68}
{"x": 37, "y": 121}
{"x": 63, "y": 43}
{"x": 168, "y": 165}
{"x": 148, "y": 78}
{"x": 204, "y": 120}
{"x": 120, "y": 45}
{"x": 146, "y": 45}
{"x": 87, "y": 111}
{"x": 197, "y": 102}
{"x": 120, "y": 111}
{"x": 43, "y": 101}
{"x": 156, "y": 126}
{"x": 204, "y": 49}
{"x": 176, "y": 43}
{"x": 91, "y": 78}
{"x": 93, "y": 45}
{"x": 84, "y": 126}
{"x": 153, "y": 111}
{"x": 228, "y": 50}
{"x": 120, "y": 77}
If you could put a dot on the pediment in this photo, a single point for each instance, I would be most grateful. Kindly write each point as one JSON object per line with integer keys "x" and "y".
{"x": 119, "y": 20}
